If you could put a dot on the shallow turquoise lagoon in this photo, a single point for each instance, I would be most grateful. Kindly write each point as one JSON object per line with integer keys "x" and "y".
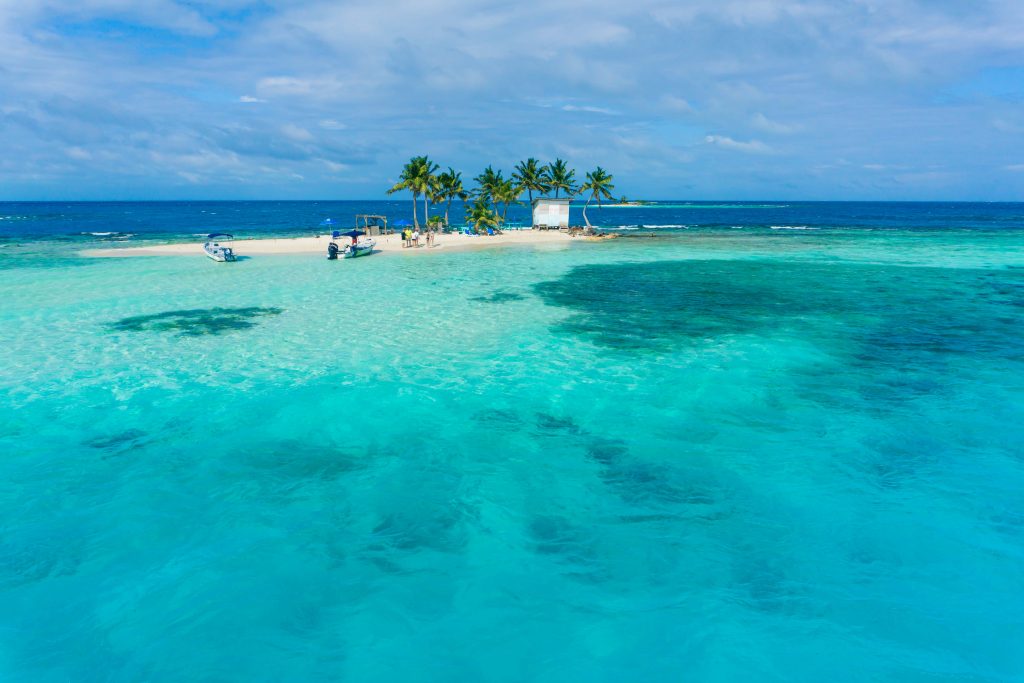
{"x": 714, "y": 457}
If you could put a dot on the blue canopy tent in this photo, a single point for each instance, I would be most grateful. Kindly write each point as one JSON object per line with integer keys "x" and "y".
{"x": 327, "y": 223}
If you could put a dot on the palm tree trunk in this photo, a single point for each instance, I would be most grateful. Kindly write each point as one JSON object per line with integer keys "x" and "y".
{"x": 426, "y": 210}
{"x": 585, "y": 219}
{"x": 415, "y": 210}
{"x": 447, "y": 208}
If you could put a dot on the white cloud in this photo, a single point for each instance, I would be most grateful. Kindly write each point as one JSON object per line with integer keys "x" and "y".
{"x": 750, "y": 147}
{"x": 78, "y": 153}
{"x": 285, "y": 85}
{"x": 473, "y": 83}
{"x": 677, "y": 104}
{"x": 762, "y": 122}
{"x": 1016, "y": 168}
{"x": 1007, "y": 126}
{"x": 296, "y": 133}
{"x": 588, "y": 108}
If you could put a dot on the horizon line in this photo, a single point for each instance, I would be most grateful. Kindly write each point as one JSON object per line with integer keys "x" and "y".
{"x": 579, "y": 199}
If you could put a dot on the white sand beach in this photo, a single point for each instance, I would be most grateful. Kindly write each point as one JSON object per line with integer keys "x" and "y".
{"x": 389, "y": 244}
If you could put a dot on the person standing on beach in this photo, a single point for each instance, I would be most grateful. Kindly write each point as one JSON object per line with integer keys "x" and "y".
{"x": 415, "y": 238}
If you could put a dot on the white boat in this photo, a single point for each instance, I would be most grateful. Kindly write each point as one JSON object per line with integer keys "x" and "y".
{"x": 217, "y": 251}
{"x": 360, "y": 248}
{"x": 360, "y": 245}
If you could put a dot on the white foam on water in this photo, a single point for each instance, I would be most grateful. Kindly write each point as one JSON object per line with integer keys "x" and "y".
{"x": 111, "y": 234}
{"x": 793, "y": 227}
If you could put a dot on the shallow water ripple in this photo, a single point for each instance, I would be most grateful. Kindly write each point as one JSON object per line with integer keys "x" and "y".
{"x": 716, "y": 459}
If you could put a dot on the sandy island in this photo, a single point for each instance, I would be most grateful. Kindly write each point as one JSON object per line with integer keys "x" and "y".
{"x": 389, "y": 244}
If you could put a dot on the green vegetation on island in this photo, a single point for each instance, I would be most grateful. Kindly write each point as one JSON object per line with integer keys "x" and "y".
{"x": 488, "y": 202}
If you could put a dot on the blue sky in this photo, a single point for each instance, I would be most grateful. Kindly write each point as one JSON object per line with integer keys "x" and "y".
{"x": 715, "y": 99}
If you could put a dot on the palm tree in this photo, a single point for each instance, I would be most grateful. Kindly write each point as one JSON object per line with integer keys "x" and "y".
{"x": 506, "y": 192}
{"x": 481, "y": 215}
{"x": 417, "y": 177}
{"x": 410, "y": 180}
{"x": 449, "y": 187}
{"x": 561, "y": 177}
{"x": 487, "y": 183}
{"x": 599, "y": 185}
{"x": 531, "y": 177}
{"x": 427, "y": 181}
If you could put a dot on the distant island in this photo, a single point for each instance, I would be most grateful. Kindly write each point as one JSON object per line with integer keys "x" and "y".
{"x": 631, "y": 202}
{"x": 421, "y": 178}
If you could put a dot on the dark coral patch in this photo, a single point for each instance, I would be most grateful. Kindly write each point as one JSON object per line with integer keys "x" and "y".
{"x": 196, "y": 322}
{"x": 884, "y": 311}
{"x": 116, "y": 443}
{"x": 552, "y": 423}
{"x": 499, "y": 297}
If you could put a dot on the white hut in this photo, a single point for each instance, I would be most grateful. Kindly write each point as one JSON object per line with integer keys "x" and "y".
{"x": 550, "y": 213}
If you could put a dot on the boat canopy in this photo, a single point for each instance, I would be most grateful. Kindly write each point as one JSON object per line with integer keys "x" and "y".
{"x": 351, "y": 233}
{"x": 219, "y": 234}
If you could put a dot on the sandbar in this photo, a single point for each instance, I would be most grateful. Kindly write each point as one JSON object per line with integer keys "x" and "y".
{"x": 386, "y": 244}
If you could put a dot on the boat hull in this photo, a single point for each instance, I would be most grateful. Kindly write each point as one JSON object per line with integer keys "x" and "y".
{"x": 358, "y": 251}
{"x": 219, "y": 254}
{"x": 361, "y": 248}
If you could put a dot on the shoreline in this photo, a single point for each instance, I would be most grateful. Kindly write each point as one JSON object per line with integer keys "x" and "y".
{"x": 386, "y": 244}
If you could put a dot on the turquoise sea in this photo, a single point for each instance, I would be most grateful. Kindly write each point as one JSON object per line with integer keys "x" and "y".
{"x": 781, "y": 442}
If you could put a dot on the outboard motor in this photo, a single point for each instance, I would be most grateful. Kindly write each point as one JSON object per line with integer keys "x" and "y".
{"x": 332, "y": 252}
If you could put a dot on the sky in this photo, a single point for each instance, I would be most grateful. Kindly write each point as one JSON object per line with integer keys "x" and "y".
{"x": 681, "y": 99}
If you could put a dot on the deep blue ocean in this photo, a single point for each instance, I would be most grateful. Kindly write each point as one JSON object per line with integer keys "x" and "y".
{"x": 767, "y": 441}
{"x": 121, "y": 220}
